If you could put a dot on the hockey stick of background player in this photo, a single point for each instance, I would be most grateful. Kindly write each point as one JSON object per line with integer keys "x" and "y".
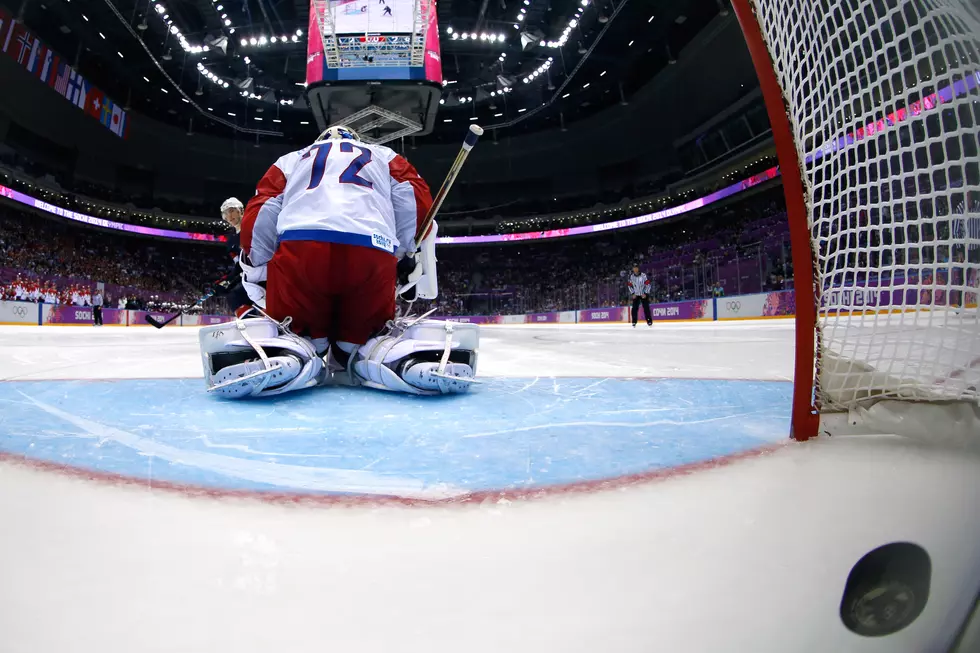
{"x": 472, "y": 136}
{"x": 208, "y": 294}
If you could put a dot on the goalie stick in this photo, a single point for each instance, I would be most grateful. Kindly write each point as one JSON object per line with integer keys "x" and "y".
{"x": 208, "y": 294}
{"x": 472, "y": 136}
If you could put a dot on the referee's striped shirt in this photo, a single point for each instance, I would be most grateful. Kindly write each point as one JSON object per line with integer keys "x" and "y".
{"x": 639, "y": 284}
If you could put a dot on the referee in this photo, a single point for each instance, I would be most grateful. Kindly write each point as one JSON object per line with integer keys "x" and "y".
{"x": 639, "y": 287}
{"x": 97, "y": 308}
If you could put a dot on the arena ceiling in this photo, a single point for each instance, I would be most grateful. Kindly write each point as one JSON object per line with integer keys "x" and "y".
{"x": 132, "y": 50}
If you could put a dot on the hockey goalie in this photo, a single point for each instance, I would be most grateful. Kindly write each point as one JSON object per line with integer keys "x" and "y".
{"x": 330, "y": 234}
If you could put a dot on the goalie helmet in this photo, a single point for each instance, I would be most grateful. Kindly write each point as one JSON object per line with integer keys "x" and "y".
{"x": 338, "y": 132}
{"x": 232, "y": 203}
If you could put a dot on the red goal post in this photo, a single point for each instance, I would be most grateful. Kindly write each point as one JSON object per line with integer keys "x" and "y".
{"x": 875, "y": 107}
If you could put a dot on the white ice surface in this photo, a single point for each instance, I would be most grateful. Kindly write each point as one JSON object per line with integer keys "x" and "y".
{"x": 747, "y": 557}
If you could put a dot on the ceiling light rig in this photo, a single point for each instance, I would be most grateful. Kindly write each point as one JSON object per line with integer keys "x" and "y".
{"x": 211, "y": 76}
{"x": 173, "y": 29}
{"x": 486, "y": 37}
{"x": 539, "y": 71}
{"x": 262, "y": 41}
{"x": 220, "y": 9}
{"x": 523, "y": 13}
{"x": 572, "y": 24}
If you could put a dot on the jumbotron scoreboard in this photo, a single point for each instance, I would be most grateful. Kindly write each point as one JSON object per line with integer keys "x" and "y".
{"x": 380, "y": 54}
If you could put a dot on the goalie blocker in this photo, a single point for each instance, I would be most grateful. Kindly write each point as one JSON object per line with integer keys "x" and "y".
{"x": 257, "y": 357}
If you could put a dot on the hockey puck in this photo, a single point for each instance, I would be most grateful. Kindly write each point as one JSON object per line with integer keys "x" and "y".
{"x": 886, "y": 590}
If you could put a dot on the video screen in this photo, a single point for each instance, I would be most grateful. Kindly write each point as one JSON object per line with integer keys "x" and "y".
{"x": 374, "y": 42}
{"x": 372, "y": 16}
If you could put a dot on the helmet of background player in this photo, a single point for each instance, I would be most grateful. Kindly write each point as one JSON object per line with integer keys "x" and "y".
{"x": 338, "y": 132}
{"x": 232, "y": 211}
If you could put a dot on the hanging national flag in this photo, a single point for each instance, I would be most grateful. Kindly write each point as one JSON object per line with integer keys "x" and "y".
{"x": 56, "y": 64}
{"x": 76, "y": 89}
{"x": 106, "y": 115}
{"x": 6, "y": 29}
{"x": 118, "y": 125}
{"x": 35, "y": 58}
{"x": 25, "y": 43}
{"x": 44, "y": 73}
{"x": 83, "y": 91}
{"x": 94, "y": 101}
{"x": 17, "y": 42}
{"x": 61, "y": 81}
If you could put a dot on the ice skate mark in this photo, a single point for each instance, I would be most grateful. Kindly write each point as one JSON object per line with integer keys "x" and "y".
{"x": 390, "y": 451}
{"x": 633, "y": 425}
{"x": 277, "y": 454}
{"x": 294, "y": 477}
{"x": 669, "y": 409}
{"x": 525, "y": 386}
{"x": 589, "y": 387}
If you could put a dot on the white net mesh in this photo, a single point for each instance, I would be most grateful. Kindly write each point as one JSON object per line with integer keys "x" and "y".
{"x": 883, "y": 97}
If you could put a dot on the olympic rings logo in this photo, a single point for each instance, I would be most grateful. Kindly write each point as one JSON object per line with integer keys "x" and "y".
{"x": 734, "y": 307}
{"x": 20, "y": 311}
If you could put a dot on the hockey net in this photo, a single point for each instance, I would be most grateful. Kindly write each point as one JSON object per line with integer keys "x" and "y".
{"x": 875, "y": 106}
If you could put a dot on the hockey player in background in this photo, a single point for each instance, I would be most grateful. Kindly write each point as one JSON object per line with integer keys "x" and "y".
{"x": 639, "y": 287}
{"x": 237, "y": 292}
{"x": 331, "y": 229}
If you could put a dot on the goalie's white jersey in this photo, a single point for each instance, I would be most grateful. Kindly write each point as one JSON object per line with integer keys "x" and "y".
{"x": 339, "y": 191}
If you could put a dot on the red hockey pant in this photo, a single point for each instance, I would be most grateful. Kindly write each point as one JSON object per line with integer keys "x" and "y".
{"x": 342, "y": 292}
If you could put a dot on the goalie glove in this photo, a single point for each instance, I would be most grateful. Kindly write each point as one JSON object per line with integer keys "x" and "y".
{"x": 220, "y": 287}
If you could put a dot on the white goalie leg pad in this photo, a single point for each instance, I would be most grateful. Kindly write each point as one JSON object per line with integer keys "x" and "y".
{"x": 427, "y": 358}
{"x": 255, "y": 357}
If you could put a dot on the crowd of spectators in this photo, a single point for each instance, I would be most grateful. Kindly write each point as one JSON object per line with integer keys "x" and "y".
{"x": 25, "y": 288}
{"x": 139, "y": 272}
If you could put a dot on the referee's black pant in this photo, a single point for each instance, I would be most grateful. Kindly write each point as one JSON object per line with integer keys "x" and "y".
{"x": 97, "y": 315}
{"x": 637, "y": 300}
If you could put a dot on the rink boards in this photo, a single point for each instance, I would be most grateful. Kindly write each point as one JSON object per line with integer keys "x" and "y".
{"x": 741, "y": 307}
{"x": 31, "y": 314}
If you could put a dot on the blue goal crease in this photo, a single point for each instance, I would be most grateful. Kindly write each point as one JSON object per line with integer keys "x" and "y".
{"x": 507, "y": 433}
